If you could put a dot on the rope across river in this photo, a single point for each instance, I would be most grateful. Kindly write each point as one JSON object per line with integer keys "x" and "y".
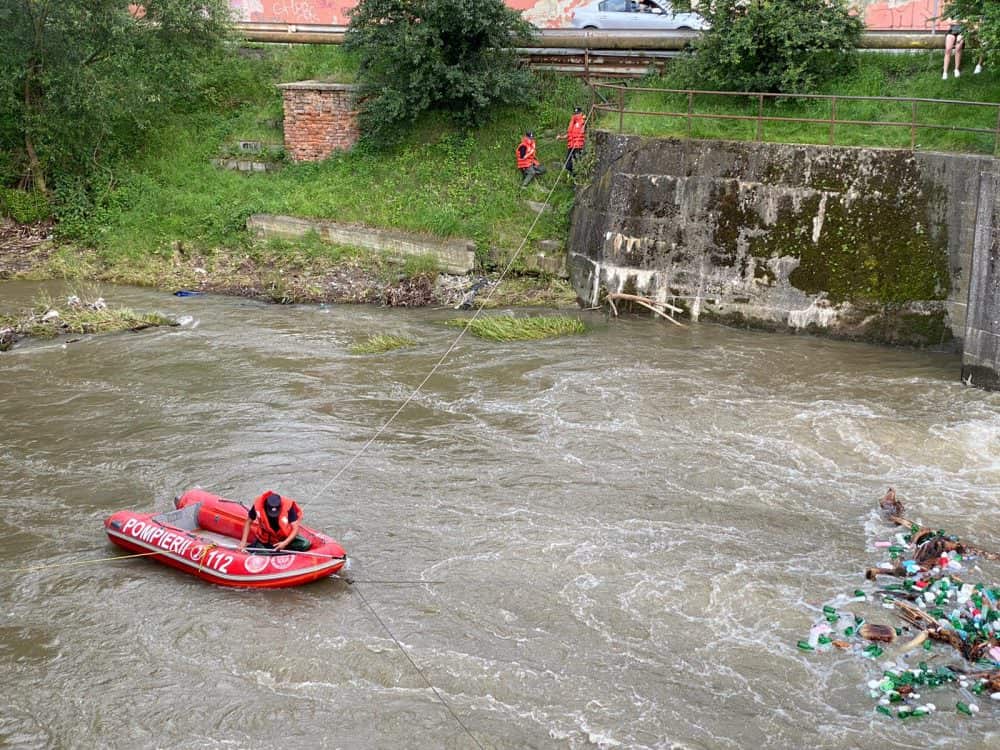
{"x": 385, "y": 425}
{"x": 362, "y": 450}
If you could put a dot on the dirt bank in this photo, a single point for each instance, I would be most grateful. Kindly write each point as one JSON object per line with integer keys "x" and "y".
{"x": 283, "y": 277}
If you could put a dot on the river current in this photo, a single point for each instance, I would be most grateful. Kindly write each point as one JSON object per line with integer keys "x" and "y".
{"x": 605, "y": 541}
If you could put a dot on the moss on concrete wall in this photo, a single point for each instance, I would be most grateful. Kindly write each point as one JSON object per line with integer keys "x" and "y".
{"x": 859, "y": 243}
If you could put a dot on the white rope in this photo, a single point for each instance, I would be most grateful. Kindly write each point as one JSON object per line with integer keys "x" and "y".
{"x": 458, "y": 338}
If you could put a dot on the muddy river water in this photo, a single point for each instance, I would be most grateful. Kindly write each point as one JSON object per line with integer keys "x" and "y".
{"x": 607, "y": 541}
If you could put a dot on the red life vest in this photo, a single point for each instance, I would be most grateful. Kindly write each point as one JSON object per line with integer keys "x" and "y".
{"x": 528, "y": 160}
{"x": 575, "y": 135}
{"x": 261, "y": 526}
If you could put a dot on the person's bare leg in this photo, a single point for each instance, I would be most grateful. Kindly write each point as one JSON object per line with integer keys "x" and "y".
{"x": 958, "y": 56}
{"x": 949, "y": 44}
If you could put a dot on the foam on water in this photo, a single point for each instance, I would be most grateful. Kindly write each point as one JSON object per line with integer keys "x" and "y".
{"x": 622, "y": 536}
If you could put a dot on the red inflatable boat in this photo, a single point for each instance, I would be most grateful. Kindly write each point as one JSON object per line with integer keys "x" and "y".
{"x": 201, "y": 537}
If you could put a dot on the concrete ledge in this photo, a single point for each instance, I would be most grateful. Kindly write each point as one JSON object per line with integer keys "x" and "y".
{"x": 318, "y": 86}
{"x": 454, "y": 256}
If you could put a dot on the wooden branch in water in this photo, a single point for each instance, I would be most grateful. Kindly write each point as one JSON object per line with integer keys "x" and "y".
{"x": 644, "y": 302}
{"x": 893, "y": 508}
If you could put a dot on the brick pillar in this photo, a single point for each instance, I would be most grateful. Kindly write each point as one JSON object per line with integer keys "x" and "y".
{"x": 320, "y": 118}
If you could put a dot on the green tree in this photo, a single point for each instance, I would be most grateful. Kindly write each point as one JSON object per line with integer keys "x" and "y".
{"x": 775, "y": 45}
{"x": 982, "y": 19}
{"x": 454, "y": 56}
{"x": 81, "y": 81}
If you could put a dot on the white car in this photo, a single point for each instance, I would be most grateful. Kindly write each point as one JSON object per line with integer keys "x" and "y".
{"x": 650, "y": 15}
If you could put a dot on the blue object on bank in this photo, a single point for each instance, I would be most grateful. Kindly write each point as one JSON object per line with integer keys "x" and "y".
{"x": 186, "y": 293}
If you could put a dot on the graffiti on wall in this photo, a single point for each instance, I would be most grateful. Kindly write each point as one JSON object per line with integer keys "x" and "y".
{"x": 879, "y": 14}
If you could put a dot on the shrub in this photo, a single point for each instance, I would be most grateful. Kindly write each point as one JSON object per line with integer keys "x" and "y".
{"x": 24, "y": 207}
{"x": 454, "y": 56}
{"x": 782, "y": 46}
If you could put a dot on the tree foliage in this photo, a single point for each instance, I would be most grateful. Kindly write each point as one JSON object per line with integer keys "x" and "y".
{"x": 981, "y": 18}
{"x": 454, "y": 56}
{"x": 789, "y": 46}
{"x": 81, "y": 81}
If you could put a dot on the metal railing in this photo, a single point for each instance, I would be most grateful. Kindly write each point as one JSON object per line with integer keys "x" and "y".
{"x": 615, "y": 101}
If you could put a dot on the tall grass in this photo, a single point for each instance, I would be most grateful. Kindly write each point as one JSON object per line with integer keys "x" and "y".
{"x": 48, "y": 320}
{"x": 381, "y": 343}
{"x": 509, "y": 328}
{"x": 438, "y": 180}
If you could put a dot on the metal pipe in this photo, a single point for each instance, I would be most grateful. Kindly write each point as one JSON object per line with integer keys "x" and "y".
{"x": 589, "y": 39}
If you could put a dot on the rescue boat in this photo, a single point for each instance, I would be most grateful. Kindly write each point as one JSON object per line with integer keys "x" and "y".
{"x": 202, "y": 537}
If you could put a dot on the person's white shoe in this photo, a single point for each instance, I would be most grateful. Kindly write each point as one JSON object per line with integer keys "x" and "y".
{"x": 958, "y": 73}
{"x": 978, "y": 70}
{"x": 944, "y": 76}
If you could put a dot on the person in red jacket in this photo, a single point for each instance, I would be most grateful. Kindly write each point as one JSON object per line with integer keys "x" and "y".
{"x": 527, "y": 161}
{"x": 275, "y": 523}
{"x": 576, "y": 137}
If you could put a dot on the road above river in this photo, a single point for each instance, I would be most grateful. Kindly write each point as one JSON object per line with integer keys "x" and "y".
{"x": 606, "y": 541}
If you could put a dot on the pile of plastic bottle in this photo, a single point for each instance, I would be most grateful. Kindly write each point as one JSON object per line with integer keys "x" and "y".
{"x": 970, "y": 610}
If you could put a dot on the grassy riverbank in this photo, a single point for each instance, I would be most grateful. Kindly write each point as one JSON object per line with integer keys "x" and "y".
{"x": 170, "y": 218}
{"x": 916, "y": 76}
{"x": 439, "y": 180}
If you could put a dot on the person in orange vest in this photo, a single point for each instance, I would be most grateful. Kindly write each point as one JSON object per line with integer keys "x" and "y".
{"x": 527, "y": 162}
{"x": 576, "y": 136}
{"x": 275, "y": 523}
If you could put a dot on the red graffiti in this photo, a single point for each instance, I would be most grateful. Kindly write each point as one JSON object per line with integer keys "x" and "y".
{"x": 880, "y": 15}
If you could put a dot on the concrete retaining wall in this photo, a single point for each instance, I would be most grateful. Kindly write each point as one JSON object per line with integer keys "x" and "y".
{"x": 797, "y": 236}
{"x": 453, "y": 256}
{"x": 872, "y": 244}
{"x": 981, "y": 352}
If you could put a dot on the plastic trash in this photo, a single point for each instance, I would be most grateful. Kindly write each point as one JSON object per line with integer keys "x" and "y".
{"x": 965, "y": 708}
{"x": 187, "y": 293}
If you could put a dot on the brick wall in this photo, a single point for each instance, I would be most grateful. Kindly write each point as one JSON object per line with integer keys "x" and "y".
{"x": 320, "y": 118}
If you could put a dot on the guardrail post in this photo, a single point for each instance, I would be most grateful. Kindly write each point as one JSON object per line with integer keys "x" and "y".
{"x": 690, "y": 110}
{"x": 760, "y": 114}
{"x": 833, "y": 119}
{"x": 996, "y": 136}
{"x": 621, "y": 109}
{"x": 913, "y": 126}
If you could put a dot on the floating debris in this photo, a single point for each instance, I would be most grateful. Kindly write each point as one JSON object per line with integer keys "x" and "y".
{"x": 936, "y": 603}
{"x": 75, "y": 317}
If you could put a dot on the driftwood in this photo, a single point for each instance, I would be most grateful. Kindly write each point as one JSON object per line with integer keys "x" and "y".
{"x": 897, "y": 572}
{"x": 647, "y": 303}
{"x": 929, "y": 547}
{"x": 872, "y": 632}
{"x": 914, "y": 643}
{"x": 972, "y": 651}
{"x": 893, "y": 509}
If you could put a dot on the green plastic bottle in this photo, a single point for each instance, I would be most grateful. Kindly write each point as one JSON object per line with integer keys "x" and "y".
{"x": 804, "y": 645}
{"x": 963, "y": 708}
